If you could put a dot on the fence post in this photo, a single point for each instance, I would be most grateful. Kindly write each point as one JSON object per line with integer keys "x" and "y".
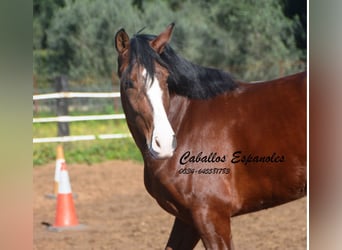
{"x": 61, "y": 85}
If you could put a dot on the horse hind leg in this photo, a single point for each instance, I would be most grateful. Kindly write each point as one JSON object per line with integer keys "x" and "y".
{"x": 182, "y": 237}
{"x": 214, "y": 229}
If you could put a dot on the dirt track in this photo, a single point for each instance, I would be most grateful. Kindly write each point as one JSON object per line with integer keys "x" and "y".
{"x": 119, "y": 214}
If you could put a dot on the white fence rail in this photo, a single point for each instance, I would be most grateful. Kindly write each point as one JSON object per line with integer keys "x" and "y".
{"x": 80, "y": 138}
{"x": 76, "y": 94}
{"x": 78, "y": 118}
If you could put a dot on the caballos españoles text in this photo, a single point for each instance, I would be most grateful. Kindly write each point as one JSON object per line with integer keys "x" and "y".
{"x": 237, "y": 157}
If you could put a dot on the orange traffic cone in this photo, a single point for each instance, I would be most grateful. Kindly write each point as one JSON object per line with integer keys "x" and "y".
{"x": 66, "y": 218}
{"x": 59, "y": 161}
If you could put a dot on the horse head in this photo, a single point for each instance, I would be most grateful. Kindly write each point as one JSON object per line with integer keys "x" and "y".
{"x": 144, "y": 90}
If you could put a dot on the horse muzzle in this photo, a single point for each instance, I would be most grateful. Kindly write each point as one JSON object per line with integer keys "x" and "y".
{"x": 163, "y": 146}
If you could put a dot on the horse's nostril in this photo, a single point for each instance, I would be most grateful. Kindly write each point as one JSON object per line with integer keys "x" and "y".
{"x": 157, "y": 142}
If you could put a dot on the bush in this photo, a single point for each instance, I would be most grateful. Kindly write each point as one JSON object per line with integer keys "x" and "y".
{"x": 254, "y": 41}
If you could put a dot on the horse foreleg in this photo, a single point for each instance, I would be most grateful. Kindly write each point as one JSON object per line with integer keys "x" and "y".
{"x": 214, "y": 229}
{"x": 182, "y": 237}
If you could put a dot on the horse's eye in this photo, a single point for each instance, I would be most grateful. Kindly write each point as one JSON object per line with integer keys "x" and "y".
{"x": 128, "y": 84}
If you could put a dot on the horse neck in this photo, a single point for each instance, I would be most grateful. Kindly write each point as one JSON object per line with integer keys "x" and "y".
{"x": 197, "y": 82}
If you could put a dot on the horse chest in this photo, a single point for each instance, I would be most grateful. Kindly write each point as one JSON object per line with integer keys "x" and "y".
{"x": 165, "y": 190}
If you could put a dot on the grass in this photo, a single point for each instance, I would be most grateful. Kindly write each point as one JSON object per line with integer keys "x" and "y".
{"x": 81, "y": 128}
{"x": 85, "y": 151}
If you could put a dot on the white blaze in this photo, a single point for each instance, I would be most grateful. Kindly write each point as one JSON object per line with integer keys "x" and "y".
{"x": 163, "y": 137}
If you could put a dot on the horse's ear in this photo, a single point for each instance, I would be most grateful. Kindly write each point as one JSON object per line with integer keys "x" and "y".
{"x": 121, "y": 41}
{"x": 158, "y": 44}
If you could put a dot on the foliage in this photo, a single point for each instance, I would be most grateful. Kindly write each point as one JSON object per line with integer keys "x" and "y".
{"x": 250, "y": 39}
{"x": 258, "y": 35}
{"x": 43, "y": 12}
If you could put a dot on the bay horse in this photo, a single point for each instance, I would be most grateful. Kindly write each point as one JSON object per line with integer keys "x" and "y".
{"x": 213, "y": 147}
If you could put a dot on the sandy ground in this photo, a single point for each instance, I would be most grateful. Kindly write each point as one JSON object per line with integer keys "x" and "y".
{"x": 119, "y": 214}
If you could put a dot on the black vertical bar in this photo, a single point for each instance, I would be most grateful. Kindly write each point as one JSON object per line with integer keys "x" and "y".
{"x": 61, "y": 85}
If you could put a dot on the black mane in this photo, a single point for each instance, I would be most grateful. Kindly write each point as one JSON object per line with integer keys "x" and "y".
{"x": 186, "y": 78}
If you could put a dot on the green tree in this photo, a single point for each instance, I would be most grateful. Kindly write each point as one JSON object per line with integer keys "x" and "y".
{"x": 296, "y": 11}
{"x": 256, "y": 40}
{"x": 43, "y": 12}
{"x": 253, "y": 40}
{"x": 82, "y": 36}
